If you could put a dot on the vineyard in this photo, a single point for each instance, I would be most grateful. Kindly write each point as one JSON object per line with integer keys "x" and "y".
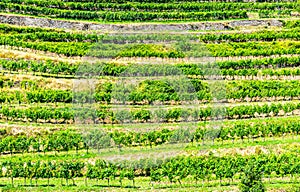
{"x": 195, "y": 96}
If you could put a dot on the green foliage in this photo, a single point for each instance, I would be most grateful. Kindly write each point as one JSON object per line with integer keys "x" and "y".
{"x": 150, "y": 5}
{"x": 240, "y": 67}
{"x": 174, "y": 169}
{"x": 253, "y": 48}
{"x": 48, "y": 114}
{"x": 150, "y": 50}
{"x": 123, "y": 15}
{"x": 252, "y": 179}
{"x": 153, "y": 90}
{"x": 100, "y": 139}
{"x": 257, "y": 36}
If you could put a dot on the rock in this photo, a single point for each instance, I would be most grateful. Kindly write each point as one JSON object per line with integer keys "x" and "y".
{"x": 80, "y": 25}
{"x": 245, "y": 23}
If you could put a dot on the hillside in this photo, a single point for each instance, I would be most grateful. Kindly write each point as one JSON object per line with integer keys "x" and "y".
{"x": 149, "y": 95}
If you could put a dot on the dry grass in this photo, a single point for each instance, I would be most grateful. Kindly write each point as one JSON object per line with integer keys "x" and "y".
{"x": 45, "y": 83}
{"x": 22, "y": 53}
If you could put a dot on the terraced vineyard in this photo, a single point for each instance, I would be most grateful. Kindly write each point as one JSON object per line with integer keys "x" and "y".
{"x": 149, "y": 95}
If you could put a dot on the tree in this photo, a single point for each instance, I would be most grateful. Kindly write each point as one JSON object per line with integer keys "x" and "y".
{"x": 92, "y": 172}
{"x": 12, "y": 170}
{"x": 108, "y": 172}
{"x": 156, "y": 175}
{"x": 36, "y": 167}
{"x": 27, "y": 171}
{"x": 76, "y": 140}
{"x": 22, "y": 144}
{"x": 130, "y": 175}
{"x": 70, "y": 170}
{"x": 182, "y": 135}
{"x": 10, "y": 143}
{"x": 118, "y": 138}
{"x": 48, "y": 171}
{"x": 123, "y": 116}
{"x": 252, "y": 179}
{"x": 122, "y": 175}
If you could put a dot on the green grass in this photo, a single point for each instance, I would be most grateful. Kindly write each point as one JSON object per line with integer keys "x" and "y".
{"x": 270, "y": 145}
{"x": 142, "y": 184}
{"x": 261, "y": 142}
